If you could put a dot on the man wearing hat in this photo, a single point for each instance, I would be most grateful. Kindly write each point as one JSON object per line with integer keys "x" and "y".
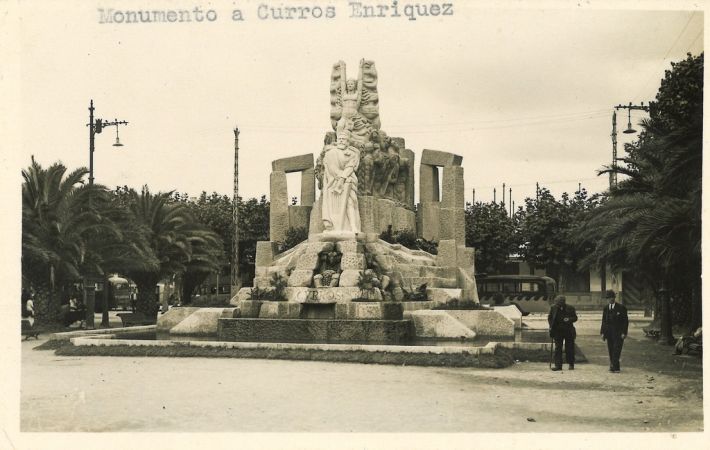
{"x": 615, "y": 327}
{"x": 561, "y": 320}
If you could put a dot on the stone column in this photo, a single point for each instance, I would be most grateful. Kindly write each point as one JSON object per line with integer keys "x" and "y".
{"x": 278, "y": 217}
{"x": 428, "y": 183}
{"x": 452, "y": 195}
{"x": 308, "y": 187}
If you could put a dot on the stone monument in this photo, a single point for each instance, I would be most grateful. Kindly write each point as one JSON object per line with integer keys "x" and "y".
{"x": 343, "y": 283}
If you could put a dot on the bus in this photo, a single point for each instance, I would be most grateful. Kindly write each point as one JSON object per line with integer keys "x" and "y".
{"x": 529, "y": 292}
{"x": 120, "y": 292}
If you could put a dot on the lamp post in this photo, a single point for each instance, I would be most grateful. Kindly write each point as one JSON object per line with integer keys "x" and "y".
{"x": 96, "y": 127}
{"x": 629, "y": 130}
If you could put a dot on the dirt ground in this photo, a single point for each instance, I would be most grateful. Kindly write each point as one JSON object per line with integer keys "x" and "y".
{"x": 655, "y": 391}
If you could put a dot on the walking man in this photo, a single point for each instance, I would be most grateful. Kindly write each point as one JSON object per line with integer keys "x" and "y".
{"x": 615, "y": 327}
{"x": 561, "y": 320}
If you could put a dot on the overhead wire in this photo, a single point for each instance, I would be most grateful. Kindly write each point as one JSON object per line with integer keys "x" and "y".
{"x": 653, "y": 74}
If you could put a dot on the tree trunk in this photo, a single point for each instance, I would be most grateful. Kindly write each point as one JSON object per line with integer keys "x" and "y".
{"x": 696, "y": 300}
{"x": 104, "y": 304}
{"x": 146, "y": 302}
{"x": 666, "y": 336}
{"x": 46, "y": 306}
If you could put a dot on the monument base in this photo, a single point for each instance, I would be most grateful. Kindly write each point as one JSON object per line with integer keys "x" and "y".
{"x": 316, "y": 331}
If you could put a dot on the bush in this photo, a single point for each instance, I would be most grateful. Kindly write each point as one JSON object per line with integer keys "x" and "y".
{"x": 456, "y": 304}
{"x": 294, "y": 236}
{"x": 409, "y": 239}
{"x": 277, "y": 291}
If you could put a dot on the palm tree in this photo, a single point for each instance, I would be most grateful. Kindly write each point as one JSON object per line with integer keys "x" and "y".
{"x": 70, "y": 231}
{"x": 651, "y": 221}
{"x": 56, "y": 220}
{"x": 174, "y": 237}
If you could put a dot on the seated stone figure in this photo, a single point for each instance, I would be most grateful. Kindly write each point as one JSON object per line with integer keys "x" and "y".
{"x": 328, "y": 270}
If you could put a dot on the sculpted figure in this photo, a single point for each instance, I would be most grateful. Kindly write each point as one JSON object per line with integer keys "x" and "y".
{"x": 391, "y": 171}
{"x": 355, "y": 101}
{"x": 327, "y": 142}
{"x": 400, "y": 191}
{"x": 364, "y": 172}
{"x": 329, "y": 270}
{"x": 339, "y": 193}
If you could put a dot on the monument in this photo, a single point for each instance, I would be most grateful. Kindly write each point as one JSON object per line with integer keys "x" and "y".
{"x": 344, "y": 283}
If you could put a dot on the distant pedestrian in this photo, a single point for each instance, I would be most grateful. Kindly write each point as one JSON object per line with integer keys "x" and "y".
{"x": 28, "y": 307}
{"x": 561, "y": 320}
{"x": 615, "y": 327}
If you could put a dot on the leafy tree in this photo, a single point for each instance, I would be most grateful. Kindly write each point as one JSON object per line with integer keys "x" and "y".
{"x": 216, "y": 212}
{"x": 492, "y": 232}
{"x": 70, "y": 230}
{"x": 178, "y": 241}
{"x": 55, "y": 221}
{"x": 651, "y": 222}
{"x": 550, "y": 231}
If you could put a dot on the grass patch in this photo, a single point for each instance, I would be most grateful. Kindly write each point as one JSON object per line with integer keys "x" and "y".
{"x": 183, "y": 350}
{"x": 53, "y": 344}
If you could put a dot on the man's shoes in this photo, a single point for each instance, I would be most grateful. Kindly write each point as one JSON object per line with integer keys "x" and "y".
{"x": 615, "y": 370}
{"x": 555, "y": 368}
{"x": 571, "y": 367}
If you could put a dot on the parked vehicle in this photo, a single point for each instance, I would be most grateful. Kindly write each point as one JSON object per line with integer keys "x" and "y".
{"x": 120, "y": 291}
{"x": 529, "y": 292}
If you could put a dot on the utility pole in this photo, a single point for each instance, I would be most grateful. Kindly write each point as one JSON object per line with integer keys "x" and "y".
{"x": 503, "y": 194}
{"x": 629, "y": 130}
{"x": 510, "y": 200}
{"x": 494, "y": 195}
{"x": 236, "y": 282}
{"x": 474, "y": 197}
{"x": 537, "y": 191}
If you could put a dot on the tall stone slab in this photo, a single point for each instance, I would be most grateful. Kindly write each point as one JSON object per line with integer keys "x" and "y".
{"x": 428, "y": 220}
{"x": 278, "y": 219}
{"x": 441, "y": 159}
{"x": 452, "y": 190}
{"x": 409, "y": 195}
{"x": 293, "y": 163}
{"x": 308, "y": 187}
{"x": 452, "y": 224}
{"x": 428, "y": 183}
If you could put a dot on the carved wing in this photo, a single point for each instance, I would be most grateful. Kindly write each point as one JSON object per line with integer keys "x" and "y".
{"x": 337, "y": 78}
{"x": 369, "y": 99}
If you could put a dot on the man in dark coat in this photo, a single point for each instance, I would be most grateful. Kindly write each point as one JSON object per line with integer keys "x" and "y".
{"x": 615, "y": 327}
{"x": 561, "y": 320}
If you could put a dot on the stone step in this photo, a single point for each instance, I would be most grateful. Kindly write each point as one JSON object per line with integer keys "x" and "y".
{"x": 432, "y": 282}
{"x": 436, "y": 271}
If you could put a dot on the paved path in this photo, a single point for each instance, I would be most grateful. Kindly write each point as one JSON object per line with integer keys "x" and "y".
{"x": 655, "y": 391}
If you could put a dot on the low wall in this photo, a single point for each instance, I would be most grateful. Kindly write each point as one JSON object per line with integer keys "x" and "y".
{"x": 315, "y": 330}
{"x": 489, "y": 356}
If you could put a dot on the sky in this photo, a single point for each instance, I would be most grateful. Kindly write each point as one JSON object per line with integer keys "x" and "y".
{"x": 524, "y": 96}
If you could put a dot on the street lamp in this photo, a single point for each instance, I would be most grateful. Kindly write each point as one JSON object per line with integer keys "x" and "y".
{"x": 95, "y": 127}
{"x": 629, "y": 130}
